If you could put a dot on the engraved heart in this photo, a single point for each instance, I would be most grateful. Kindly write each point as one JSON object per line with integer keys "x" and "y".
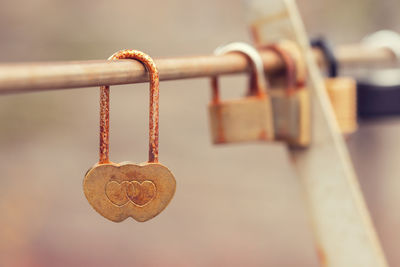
{"x": 118, "y": 191}
{"x": 139, "y": 193}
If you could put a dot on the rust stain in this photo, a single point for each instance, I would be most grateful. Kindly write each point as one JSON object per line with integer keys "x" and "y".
{"x": 216, "y": 102}
{"x": 321, "y": 256}
{"x": 290, "y": 66}
{"x": 154, "y": 106}
{"x": 215, "y": 90}
{"x": 301, "y": 83}
{"x": 104, "y": 124}
{"x": 263, "y": 135}
{"x": 254, "y": 89}
{"x": 221, "y": 133}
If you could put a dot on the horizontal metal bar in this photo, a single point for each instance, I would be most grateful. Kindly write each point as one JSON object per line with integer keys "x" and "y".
{"x": 30, "y": 77}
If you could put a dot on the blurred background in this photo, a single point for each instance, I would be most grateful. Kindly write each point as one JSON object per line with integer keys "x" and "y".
{"x": 238, "y": 205}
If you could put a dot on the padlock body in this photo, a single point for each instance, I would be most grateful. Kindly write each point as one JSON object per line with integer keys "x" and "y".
{"x": 342, "y": 92}
{"x": 241, "y": 120}
{"x": 291, "y": 116}
{"x": 119, "y": 191}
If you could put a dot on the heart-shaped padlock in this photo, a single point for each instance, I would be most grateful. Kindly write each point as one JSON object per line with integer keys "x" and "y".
{"x": 140, "y": 191}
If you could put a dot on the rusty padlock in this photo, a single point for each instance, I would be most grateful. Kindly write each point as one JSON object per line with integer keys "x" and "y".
{"x": 342, "y": 91}
{"x": 140, "y": 191}
{"x": 290, "y": 97}
{"x": 246, "y": 119}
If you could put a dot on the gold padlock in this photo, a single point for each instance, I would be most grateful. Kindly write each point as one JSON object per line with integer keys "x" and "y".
{"x": 246, "y": 119}
{"x": 342, "y": 92}
{"x": 290, "y": 97}
{"x": 121, "y": 190}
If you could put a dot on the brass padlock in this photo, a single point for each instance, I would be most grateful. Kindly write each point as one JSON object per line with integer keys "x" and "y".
{"x": 121, "y": 190}
{"x": 342, "y": 92}
{"x": 246, "y": 119}
{"x": 290, "y": 97}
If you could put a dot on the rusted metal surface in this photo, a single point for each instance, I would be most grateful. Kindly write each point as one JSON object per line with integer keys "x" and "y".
{"x": 290, "y": 96}
{"x": 154, "y": 107}
{"x": 104, "y": 124}
{"x": 290, "y": 68}
{"x": 32, "y": 77}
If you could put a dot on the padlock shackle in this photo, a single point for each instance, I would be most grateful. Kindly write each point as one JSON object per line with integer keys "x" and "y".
{"x": 154, "y": 107}
{"x": 290, "y": 67}
{"x": 327, "y": 51}
{"x": 257, "y": 68}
